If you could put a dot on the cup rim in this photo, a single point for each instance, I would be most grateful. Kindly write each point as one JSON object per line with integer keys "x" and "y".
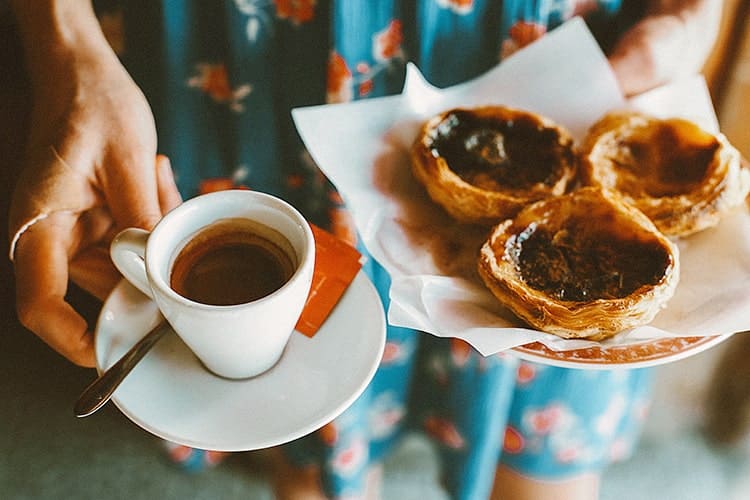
{"x": 306, "y": 259}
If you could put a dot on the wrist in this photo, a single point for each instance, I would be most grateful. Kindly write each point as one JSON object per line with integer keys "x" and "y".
{"x": 57, "y": 34}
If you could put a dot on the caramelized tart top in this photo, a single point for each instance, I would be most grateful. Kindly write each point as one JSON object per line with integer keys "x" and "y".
{"x": 484, "y": 164}
{"x": 500, "y": 152}
{"x": 581, "y": 265}
{"x": 681, "y": 176}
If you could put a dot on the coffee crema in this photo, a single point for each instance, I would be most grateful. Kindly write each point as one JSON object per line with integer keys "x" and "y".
{"x": 233, "y": 261}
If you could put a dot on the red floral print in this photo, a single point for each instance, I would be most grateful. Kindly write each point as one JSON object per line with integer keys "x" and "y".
{"x": 339, "y": 85}
{"x": 513, "y": 442}
{"x": 363, "y": 68}
{"x": 216, "y": 83}
{"x": 522, "y": 33}
{"x": 342, "y": 82}
{"x": 215, "y": 457}
{"x": 393, "y": 352}
{"x": 526, "y": 373}
{"x": 295, "y": 181}
{"x": 460, "y": 352}
{"x": 180, "y": 453}
{"x": 385, "y": 415}
{"x": 568, "y": 455}
{"x": 349, "y": 460}
{"x": 297, "y": 11}
{"x": 445, "y": 432}
{"x": 384, "y": 423}
{"x": 213, "y": 80}
{"x": 365, "y": 88}
{"x": 218, "y": 184}
{"x": 457, "y": 6}
{"x": 545, "y": 420}
{"x": 387, "y": 43}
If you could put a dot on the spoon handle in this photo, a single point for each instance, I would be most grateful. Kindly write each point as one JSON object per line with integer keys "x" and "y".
{"x": 100, "y": 390}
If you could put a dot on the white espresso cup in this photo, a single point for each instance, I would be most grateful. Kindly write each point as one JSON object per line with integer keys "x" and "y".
{"x": 203, "y": 248}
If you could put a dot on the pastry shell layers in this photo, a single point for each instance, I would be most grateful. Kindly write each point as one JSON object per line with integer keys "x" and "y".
{"x": 682, "y": 177}
{"x": 582, "y": 265}
{"x": 484, "y": 164}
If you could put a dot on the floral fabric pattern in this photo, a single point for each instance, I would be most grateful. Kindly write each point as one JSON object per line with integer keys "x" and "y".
{"x": 222, "y": 78}
{"x": 213, "y": 80}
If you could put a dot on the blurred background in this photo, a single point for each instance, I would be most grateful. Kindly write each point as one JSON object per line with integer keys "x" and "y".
{"x": 46, "y": 453}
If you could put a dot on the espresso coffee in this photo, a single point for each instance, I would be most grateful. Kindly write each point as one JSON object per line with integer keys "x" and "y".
{"x": 233, "y": 261}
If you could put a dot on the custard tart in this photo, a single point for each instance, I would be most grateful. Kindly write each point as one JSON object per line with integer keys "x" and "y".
{"x": 682, "y": 177}
{"x": 484, "y": 164}
{"x": 581, "y": 265}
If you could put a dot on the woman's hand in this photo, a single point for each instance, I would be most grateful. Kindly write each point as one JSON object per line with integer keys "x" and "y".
{"x": 673, "y": 39}
{"x": 90, "y": 170}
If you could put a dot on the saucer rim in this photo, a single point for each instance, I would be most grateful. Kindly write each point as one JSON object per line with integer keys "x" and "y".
{"x": 377, "y": 328}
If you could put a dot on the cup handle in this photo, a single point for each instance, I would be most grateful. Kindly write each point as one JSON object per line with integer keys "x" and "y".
{"x": 128, "y": 251}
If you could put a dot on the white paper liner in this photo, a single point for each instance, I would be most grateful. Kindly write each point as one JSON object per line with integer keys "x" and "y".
{"x": 363, "y": 148}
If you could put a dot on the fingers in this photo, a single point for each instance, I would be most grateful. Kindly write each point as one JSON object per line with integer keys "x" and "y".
{"x": 44, "y": 265}
{"x": 142, "y": 195}
{"x": 91, "y": 267}
{"x": 130, "y": 188}
{"x": 169, "y": 196}
{"x": 674, "y": 40}
{"x": 41, "y": 267}
{"x": 92, "y": 270}
{"x": 648, "y": 55}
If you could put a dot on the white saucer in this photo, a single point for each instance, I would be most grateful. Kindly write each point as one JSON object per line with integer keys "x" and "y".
{"x": 170, "y": 394}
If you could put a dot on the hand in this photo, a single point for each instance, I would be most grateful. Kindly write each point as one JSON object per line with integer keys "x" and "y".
{"x": 93, "y": 144}
{"x": 673, "y": 39}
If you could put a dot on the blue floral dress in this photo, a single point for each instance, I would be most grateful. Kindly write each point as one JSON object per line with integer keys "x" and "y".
{"x": 222, "y": 77}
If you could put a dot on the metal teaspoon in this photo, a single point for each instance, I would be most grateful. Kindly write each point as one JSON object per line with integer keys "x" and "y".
{"x": 100, "y": 390}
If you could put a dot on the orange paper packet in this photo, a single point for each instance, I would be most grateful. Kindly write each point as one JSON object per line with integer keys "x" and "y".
{"x": 336, "y": 265}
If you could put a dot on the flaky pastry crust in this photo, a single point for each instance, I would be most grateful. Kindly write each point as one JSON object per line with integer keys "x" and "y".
{"x": 484, "y": 164}
{"x": 682, "y": 177}
{"x": 582, "y": 265}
